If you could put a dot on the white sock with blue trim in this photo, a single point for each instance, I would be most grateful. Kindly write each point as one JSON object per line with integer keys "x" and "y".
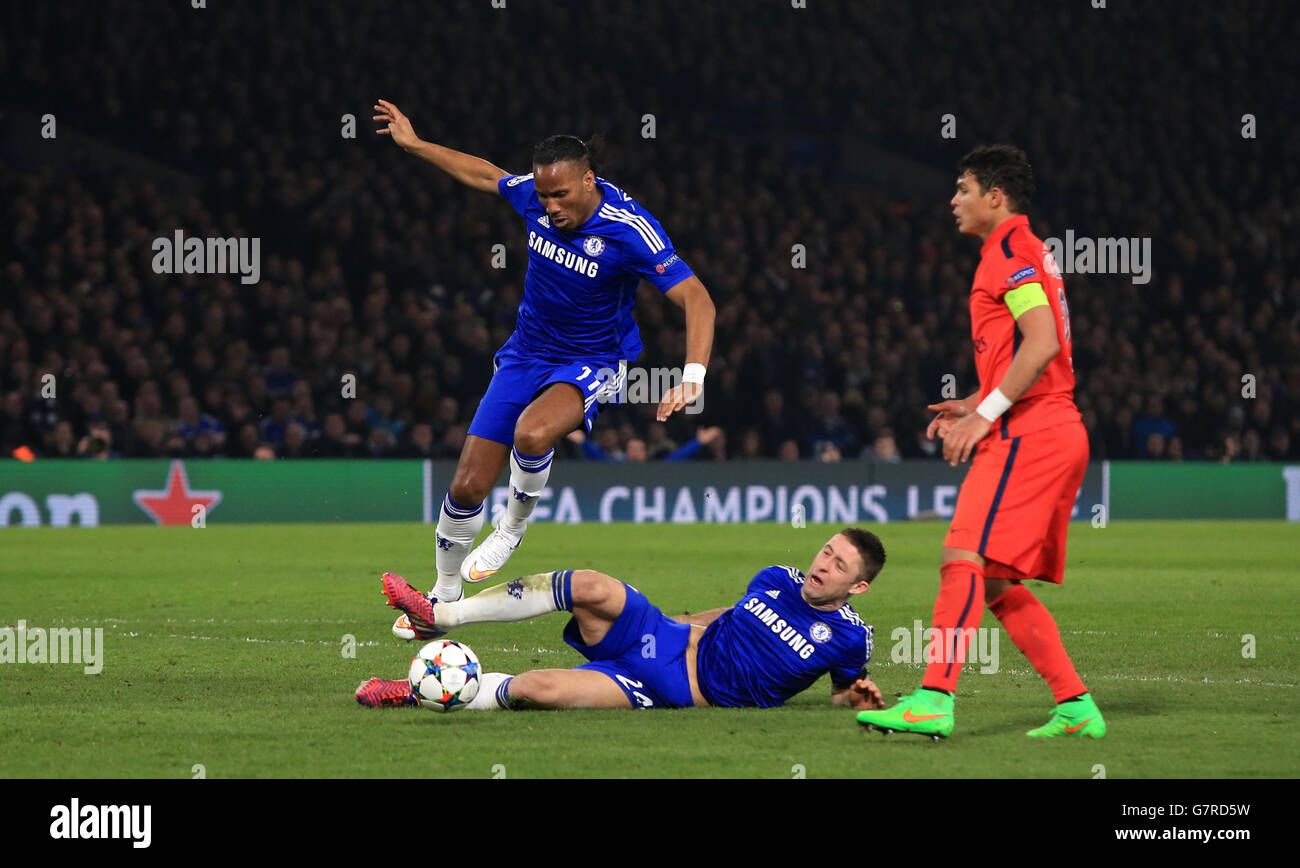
{"x": 457, "y": 527}
{"x": 493, "y": 693}
{"x": 517, "y": 600}
{"x": 528, "y": 476}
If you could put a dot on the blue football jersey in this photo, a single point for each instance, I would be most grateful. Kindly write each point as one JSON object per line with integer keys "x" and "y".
{"x": 581, "y": 285}
{"x": 772, "y": 644}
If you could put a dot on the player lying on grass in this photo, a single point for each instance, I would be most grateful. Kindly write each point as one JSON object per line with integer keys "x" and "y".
{"x": 787, "y": 631}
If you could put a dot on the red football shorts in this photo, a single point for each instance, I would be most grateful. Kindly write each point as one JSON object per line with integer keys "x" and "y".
{"x": 1015, "y": 503}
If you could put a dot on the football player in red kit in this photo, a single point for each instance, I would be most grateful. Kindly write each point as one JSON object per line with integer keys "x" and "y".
{"x": 1030, "y": 452}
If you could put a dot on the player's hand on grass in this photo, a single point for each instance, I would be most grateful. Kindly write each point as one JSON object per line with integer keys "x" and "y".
{"x": 949, "y": 412}
{"x": 398, "y": 125}
{"x": 864, "y": 695}
{"x": 962, "y": 438}
{"x": 677, "y": 398}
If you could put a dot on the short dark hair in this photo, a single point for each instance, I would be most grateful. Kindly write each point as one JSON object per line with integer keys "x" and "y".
{"x": 871, "y": 549}
{"x": 1002, "y": 166}
{"x": 559, "y": 148}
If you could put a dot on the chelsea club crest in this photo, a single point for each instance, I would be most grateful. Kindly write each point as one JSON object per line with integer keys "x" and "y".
{"x": 593, "y": 245}
{"x": 820, "y": 633}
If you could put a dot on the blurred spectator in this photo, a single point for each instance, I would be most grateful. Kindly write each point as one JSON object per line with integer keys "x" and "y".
{"x": 1153, "y": 428}
{"x": 61, "y": 443}
{"x": 705, "y": 443}
{"x": 452, "y": 442}
{"x": 1279, "y": 445}
{"x": 1252, "y": 447}
{"x": 98, "y": 442}
{"x": 336, "y": 441}
{"x": 829, "y": 430}
{"x": 191, "y": 423}
{"x": 294, "y": 444}
{"x": 1155, "y": 449}
{"x": 418, "y": 442}
{"x": 884, "y": 449}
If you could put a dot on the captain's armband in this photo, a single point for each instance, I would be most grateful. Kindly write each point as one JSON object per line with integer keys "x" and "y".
{"x": 1024, "y": 298}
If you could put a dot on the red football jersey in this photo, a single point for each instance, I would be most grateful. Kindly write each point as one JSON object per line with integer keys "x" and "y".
{"x": 1010, "y": 258}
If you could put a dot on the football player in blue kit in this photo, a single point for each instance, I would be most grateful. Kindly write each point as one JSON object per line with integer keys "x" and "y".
{"x": 786, "y": 631}
{"x": 589, "y": 246}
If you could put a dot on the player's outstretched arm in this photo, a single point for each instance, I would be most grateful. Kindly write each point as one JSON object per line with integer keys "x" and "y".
{"x": 469, "y": 170}
{"x": 861, "y": 694}
{"x": 691, "y": 296}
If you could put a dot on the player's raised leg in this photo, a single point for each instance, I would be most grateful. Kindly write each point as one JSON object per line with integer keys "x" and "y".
{"x": 481, "y": 462}
{"x": 595, "y": 599}
{"x": 554, "y": 413}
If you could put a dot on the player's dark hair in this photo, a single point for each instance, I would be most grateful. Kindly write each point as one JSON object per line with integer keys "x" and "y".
{"x": 1002, "y": 166}
{"x": 871, "y": 549}
{"x": 556, "y": 149}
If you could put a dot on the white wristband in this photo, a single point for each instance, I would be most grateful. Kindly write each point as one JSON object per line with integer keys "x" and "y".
{"x": 694, "y": 373}
{"x": 994, "y": 405}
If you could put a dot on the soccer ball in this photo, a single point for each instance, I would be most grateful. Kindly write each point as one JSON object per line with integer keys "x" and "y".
{"x": 445, "y": 675}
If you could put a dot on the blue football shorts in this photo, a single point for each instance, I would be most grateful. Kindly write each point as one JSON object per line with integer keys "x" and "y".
{"x": 516, "y": 381}
{"x": 644, "y": 652}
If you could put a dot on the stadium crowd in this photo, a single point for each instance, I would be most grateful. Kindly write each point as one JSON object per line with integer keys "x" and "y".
{"x": 372, "y": 328}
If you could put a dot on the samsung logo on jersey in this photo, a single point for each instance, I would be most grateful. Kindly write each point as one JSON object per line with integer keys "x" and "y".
{"x": 789, "y": 635}
{"x": 567, "y": 258}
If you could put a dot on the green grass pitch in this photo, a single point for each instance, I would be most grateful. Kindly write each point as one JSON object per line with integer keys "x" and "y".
{"x": 224, "y": 648}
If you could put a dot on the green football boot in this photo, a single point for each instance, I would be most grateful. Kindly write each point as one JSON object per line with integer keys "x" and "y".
{"x": 1077, "y": 718}
{"x": 925, "y": 712}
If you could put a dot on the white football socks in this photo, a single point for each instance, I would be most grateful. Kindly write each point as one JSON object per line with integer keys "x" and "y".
{"x": 457, "y": 528}
{"x": 528, "y": 475}
{"x": 493, "y": 693}
{"x": 516, "y": 600}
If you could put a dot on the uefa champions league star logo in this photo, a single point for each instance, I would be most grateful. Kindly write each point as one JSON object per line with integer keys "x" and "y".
{"x": 820, "y": 633}
{"x": 176, "y": 504}
{"x": 594, "y": 246}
